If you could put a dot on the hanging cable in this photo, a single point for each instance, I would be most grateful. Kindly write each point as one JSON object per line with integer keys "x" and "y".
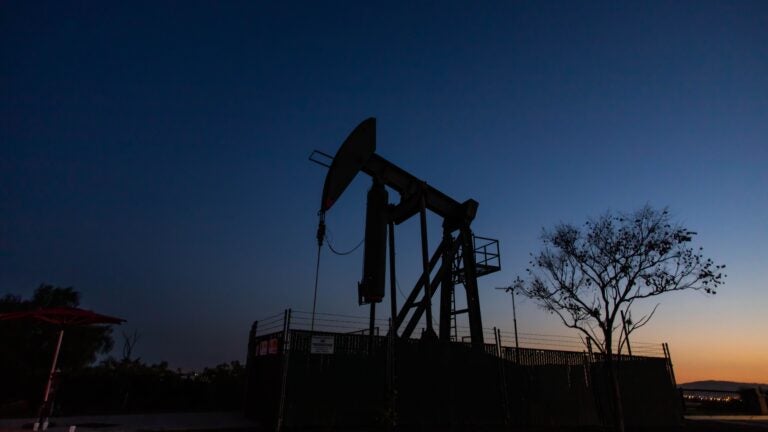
{"x": 330, "y": 246}
{"x": 320, "y": 237}
{"x": 329, "y": 239}
{"x": 397, "y": 283}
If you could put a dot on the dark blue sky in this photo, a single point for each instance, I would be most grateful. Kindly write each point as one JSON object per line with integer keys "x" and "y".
{"x": 154, "y": 155}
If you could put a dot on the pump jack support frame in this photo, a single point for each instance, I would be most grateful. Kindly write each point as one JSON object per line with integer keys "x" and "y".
{"x": 356, "y": 154}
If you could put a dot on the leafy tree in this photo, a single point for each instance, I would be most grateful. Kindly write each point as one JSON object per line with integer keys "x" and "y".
{"x": 591, "y": 276}
{"x": 27, "y": 346}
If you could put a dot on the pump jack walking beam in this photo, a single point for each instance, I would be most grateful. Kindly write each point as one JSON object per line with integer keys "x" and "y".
{"x": 412, "y": 191}
{"x": 357, "y": 153}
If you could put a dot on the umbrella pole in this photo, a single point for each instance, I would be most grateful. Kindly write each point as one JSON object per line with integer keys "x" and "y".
{"x": 45, "y": 409}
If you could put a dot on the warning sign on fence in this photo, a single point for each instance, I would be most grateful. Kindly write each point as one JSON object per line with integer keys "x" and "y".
{"x": 322, "y": 345}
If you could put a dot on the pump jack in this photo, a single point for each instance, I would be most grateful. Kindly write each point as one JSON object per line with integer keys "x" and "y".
{"x": 461, "y": 260}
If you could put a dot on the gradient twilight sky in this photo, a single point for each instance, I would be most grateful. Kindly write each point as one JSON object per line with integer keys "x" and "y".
{"x": 154, "y": 155}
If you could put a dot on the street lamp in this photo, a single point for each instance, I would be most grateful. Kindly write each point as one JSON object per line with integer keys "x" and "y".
{"x": 511, "y": 289}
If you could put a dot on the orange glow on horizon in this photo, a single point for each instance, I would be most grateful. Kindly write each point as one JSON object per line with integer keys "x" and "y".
{"x": 741, "y": 369}
{"x": 729, "y": 359}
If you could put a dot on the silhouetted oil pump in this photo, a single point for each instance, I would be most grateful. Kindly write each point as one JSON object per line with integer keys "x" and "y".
{"x": 461, "y": 259}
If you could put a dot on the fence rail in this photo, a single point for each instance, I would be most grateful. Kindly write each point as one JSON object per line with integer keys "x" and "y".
{"x": 351, "y": 336}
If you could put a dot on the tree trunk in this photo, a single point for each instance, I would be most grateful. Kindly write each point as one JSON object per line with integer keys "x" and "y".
{"x": 618, "y": 407}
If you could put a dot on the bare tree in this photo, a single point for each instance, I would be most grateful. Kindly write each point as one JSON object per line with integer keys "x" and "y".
{"x": 129, "y": 343}
{"x": 591, "y": 276}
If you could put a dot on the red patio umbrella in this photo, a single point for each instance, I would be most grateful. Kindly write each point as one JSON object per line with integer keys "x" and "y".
{"x": 63, "y": 317}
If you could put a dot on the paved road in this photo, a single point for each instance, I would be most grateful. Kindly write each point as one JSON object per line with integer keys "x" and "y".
{"x": 140, "y": 422}
{"x": 736, "y": 423}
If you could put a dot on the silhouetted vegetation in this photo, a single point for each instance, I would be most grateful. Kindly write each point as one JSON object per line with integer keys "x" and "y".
{"x": 27, "y": 346}
{"x": 131, "y": 386}
{"x": 112, "y": 386}
{"x": 591, "y": 276}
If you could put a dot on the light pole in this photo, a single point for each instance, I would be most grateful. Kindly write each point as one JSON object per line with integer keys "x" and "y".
{"x": 511, "y": 289}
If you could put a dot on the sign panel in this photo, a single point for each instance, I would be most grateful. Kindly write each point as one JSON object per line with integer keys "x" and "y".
{"x": 263, "y": 347}
{"x": 273, "y": 346}
{"x": 322, "y": 345}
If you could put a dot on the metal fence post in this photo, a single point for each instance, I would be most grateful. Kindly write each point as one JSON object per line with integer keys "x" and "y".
{"x": 671, "y": 370}
{"x": 391, "y": 390}
{"x": 249, "y": 362}
{"x": 502, "y": 377}
{"x": 286, "y": 362}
